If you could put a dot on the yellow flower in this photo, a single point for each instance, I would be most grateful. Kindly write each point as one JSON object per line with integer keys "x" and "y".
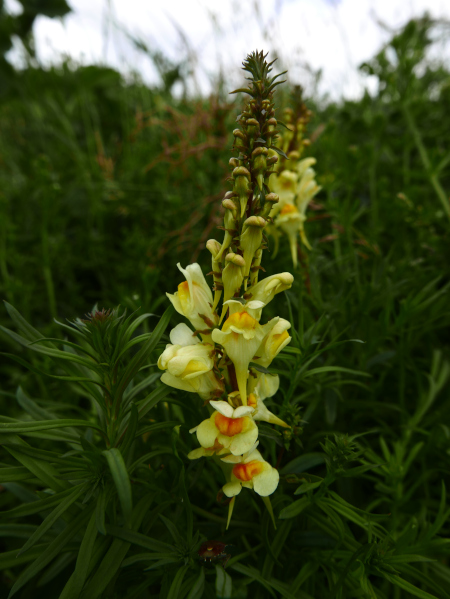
{"x": 267, "y": 288}
{"x": 233, "y": 429}
{"x": 188, "y": 358}
{"x": 273, "y": 343}
{"x": 194, "y": 299}
{"x": 290, "y": 221}
{"x": 251, "y": 471}
{"x": 284, "y": 185}
{"x": 189, "y": 364}
{"x": 200, "y": 452}
{"x": 241, "y": 335}
{"x": 261, "y": 412}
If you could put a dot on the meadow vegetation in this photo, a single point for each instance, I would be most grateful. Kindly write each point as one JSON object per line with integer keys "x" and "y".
{"x": 107, "y": 183}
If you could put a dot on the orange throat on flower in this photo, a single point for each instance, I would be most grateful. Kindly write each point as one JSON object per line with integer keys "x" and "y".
{"x": 288, "y": 209}
{"x": 246, "y": 472}
{"x": 251, "y": 401}
{"x": 183, "y": 291}
{"x": 229, "y": 426}
{"x": 241, "y": 320}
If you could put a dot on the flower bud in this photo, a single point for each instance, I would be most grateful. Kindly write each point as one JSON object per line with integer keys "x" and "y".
{"x": 230, "y": 226}
{"x": 252, "y": 128}
{"x": 232, "y": 275}
{"x": 267, "y": 288}
{"x": 250, "y": 240}
{"x": 234, "y": 162}
{"x": 271, "y": 200}
{"x": 214, "y": 247}
{"x": 259, "y": 160}
{"x": 242, "y": 181}
{"x": 239, "y": 139}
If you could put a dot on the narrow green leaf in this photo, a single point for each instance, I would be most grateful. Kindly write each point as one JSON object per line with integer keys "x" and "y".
{"x": 137, "y": 360}
{"x": 22, "y": 428}
{"x": 303, "y": 463}
{"x": 113, "y": 559}
{"x": 121, "y": 480}
{"x": 293, "y": 510}
{"x": 76, "y": 582}
{"x": 224, "y": 584}
{"x": 43, "y": 471}
{"x": 158, "y": 426}
{"x": 141, "y": 540}
{"x": 198, "y": 587}
{"x": 322, "y": 369}
{"x": 177, "y": 582}
{"x": 407, "y": 586}
{"x": 51, "y": 551}
{"x": 53, "y": 517}
{"x": 130, "y": 431}
{"x": 100, "y": 509}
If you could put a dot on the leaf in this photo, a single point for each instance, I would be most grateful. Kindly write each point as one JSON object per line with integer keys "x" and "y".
{"x": 293, "y": 510}
{"x": 322, "y": 369}
{"x": 407, "y": 586}
{"x": 53, "y": 517}
{"x": 130, "y": 431}
{"x": 115, "y": 555}
{"x": 139, "y": 358}
{"x": 177, "y": 582}
{"x": 145, "y": 405}
{"x": 43, "y": 471}
{"x": 121, "y": 480}
{"x": 100, "y": 509}
{"x": 37, "y": 505}
{"x": 51, "y": 551}
{"x": 303, "y": 463}
{"x": 22, "y": 428}
{"x": 224, "y": 584}
{"x": 278, "y": 151}
{"x": 283, "y": 125}
{"x": 173, "y": 530}
{"x": 158, "y": 426}
{"x": 198, "y": 587}
{"x": 76, "y": 582}
{"x": 141, "y": 540}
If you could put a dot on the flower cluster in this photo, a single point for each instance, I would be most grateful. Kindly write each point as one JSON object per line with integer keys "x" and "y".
{"x": 294, "y": 182}
{"x": 224, "y": 356}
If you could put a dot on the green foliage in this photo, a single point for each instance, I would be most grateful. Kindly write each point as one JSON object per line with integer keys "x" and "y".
{"x": 97, "y": 496}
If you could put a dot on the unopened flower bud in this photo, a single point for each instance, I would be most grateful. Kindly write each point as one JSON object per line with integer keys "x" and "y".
{"x": 239, "y": 139}
{"x": 271, "y": 128}
{"x": 242, "y": 180}
{"x": 230, "y": 226}
{"x": 234, "y": 162}
{"x": 251, "y": 240}
{"x": 214, "y": 247}
{"x": 252, "y": 127}
{"x": 271, "y": 200}
{"x": 232, "y": 275}
{"x": 259, "y": 159}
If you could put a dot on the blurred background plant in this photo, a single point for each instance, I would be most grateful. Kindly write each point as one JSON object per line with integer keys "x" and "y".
{"x": 106, "y": 183}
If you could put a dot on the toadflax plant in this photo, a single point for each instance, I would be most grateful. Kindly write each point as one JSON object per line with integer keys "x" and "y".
{"x": 224, "y": 357}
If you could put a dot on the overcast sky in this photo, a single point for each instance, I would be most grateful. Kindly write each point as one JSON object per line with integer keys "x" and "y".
{"x": 332, "y": 35}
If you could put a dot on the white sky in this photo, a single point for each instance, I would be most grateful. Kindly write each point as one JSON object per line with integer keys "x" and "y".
{"x": 332, "y": 35}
